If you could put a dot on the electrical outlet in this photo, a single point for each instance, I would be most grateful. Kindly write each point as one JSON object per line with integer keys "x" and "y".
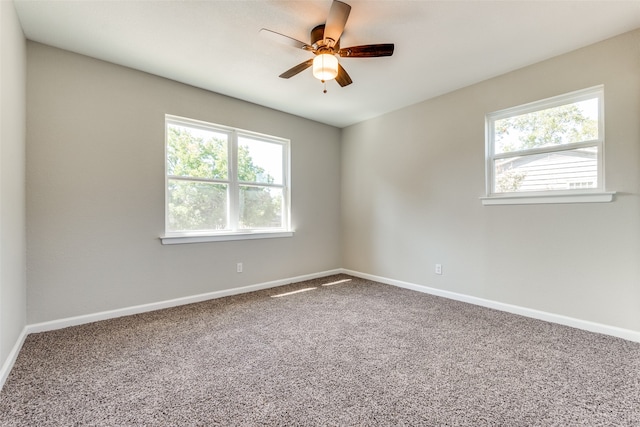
{"x": 239, "y": 267}
{"x": 438, "y": 268}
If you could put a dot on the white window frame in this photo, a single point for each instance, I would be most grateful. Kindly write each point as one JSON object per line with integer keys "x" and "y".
{"x": 233, "y": 233}
{"x": 597, "y": 194}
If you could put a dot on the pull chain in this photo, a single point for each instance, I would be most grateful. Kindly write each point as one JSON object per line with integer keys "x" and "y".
{"x": 325, "y": 86}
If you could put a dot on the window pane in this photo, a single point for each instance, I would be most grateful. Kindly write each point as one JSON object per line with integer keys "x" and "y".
{"x": 559, "y": 170}
{"x": 576, "y": 122}
{"x": 260, "y": 207}
{"x": 196, "y": 206}
{"x": 198, "y": 153}
{"x": 259, "y": 161}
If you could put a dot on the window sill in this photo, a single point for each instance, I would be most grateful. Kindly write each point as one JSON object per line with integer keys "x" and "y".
{"x": 604, "y": 197}
{"x": 204, "y": 238}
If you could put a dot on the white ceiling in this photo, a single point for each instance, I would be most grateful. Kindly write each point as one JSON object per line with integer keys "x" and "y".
{"x": 440, "y": 46}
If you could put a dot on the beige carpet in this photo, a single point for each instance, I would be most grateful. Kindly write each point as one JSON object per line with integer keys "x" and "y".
{"x": 353, "y": 353}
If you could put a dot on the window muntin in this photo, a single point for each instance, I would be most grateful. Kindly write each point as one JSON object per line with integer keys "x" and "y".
{"x": 552, "y": 146}
{"x": 221, "y": 180}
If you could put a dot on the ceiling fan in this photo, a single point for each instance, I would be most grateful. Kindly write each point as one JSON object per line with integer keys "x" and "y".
{"x": 325, "y": 45}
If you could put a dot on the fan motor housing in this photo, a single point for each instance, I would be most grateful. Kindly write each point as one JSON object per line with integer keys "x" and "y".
{"x": 317, "y": 35}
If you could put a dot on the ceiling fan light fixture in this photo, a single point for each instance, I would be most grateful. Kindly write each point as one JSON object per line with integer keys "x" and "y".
{"x": 325, "y": 66}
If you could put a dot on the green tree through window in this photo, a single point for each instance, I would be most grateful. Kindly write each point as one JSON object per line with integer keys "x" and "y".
{"x": 205, "y": 194}
{"x": 553, "y": 126}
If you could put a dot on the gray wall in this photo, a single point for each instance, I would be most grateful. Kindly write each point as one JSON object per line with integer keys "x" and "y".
{"x": 12, "y": 165}
{"x": 400, "y": 194}
{"x": 411, "y": 182}
{"x": 95, "y": 191}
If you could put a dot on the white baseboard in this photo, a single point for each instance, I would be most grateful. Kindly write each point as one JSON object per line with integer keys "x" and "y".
{"x": 586, "y": 325}
{"x": 111, "y": 314}
{"x": 137, "y": 309}
{"x": 143, "y": 308}
{"x": 11, "y": 358}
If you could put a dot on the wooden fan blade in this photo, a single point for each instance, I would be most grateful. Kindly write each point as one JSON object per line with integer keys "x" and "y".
{"x": 337, "y": 19}
{"x": 281, "y": 38}
{"x": 297, "y": 69}
{"x": 343, "y": 78}
{"x": 367, "y": 51}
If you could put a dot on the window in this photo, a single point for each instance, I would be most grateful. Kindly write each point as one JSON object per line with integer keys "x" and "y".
{"x": 547, "y": 151}
{"x": 224, "y": 183}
